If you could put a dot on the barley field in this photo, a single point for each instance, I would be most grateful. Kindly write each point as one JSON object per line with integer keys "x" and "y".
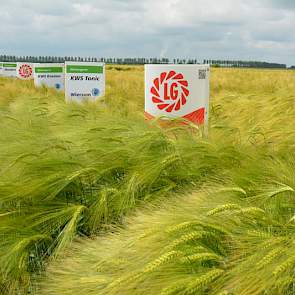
{"x": 95, "y": 200}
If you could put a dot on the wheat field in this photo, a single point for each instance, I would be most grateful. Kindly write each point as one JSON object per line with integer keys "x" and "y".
{"x": 96, "y": 200}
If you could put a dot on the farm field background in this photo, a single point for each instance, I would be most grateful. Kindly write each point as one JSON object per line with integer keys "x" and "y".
{"x": 95, "y": 200}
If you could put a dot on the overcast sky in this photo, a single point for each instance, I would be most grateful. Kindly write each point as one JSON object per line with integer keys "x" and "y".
{"x": 224, "y": 29}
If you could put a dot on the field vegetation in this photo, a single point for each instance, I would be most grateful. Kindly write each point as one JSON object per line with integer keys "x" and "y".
{"x": 95, "y": 200}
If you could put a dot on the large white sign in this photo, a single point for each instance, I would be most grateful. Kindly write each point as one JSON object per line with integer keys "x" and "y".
{"x": 9, "y": 69}
{"x": 49, "y": 75}
{"x": 177, "y": 91}
{"x": 84, "y": 80}
{"x": 25, "y": 71}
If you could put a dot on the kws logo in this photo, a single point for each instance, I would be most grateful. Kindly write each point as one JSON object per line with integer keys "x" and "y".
{"x": 57, "y": 86}
{"x": 95, "y": 91}
{"x": 169, "y": 91}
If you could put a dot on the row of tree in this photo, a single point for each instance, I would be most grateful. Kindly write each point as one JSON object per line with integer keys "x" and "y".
{"x": 140, "y": 61}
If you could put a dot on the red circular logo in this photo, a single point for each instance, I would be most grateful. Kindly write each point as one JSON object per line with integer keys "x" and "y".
{"x": 25, "y": 71}
{"x": 173, "y": 88}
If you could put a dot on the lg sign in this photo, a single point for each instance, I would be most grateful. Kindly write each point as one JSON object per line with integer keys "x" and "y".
{"x": 177, "y": 91}
{"x": 24, "y": 71}
{"x": 169, "y": 91}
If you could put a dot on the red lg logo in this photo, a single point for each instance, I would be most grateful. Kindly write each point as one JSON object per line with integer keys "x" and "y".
{"x": 25, "y": 71}
{"x": 173, "y": 86}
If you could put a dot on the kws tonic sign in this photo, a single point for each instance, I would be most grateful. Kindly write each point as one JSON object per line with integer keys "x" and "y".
{"x": 84, "y": 80}
{"x": 25, "y": 71}
{"x": 50, "y": 75}
{"x": 177, "y": 91}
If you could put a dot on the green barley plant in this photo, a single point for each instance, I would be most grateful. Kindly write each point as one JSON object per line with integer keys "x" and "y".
{"x": 76, "y": 171}
{"x": 215, "y": 241}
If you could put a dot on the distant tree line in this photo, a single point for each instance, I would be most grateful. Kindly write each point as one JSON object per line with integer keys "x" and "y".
{"x": 141, "y": 61}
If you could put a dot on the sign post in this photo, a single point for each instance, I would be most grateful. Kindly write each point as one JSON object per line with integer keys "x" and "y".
{"x": 84, "y": 80}
{"x": 50, "y": 75}
{"x": 25, "y": 71}
{"x": 9, "y": 69}
{"x": 177, "y": 91}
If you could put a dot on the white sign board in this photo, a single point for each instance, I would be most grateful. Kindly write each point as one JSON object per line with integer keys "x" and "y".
{"x": 25, "y": 71}
{"x": 9, "y": 69}
{"x": 50, "y": 75}
{"x": 84, "y": 80}
{"x": 177, "y": 91}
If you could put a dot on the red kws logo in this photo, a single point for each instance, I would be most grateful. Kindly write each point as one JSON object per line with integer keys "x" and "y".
{"x": 25, "y": 71}
{"x": 173, "y": 86}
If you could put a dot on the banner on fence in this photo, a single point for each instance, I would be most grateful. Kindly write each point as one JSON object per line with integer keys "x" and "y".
{"x": 50, "y": 75}
{"x": 177, "y": 91}
{"x": 25, "y": 71}
{"x": 84, "y": 80}
{"x": 9, "y": 69}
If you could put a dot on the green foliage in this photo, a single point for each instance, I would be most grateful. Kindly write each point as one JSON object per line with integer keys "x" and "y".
{"x": 71, "y": 170}
{"x": 185, "y": 249}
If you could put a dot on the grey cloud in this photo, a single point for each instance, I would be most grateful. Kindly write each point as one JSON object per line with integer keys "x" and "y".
{"x": 253, "y": 29}
{"x": 285, "y": 4}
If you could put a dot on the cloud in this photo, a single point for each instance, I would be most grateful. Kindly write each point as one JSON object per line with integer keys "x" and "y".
{"x": 283, "y": 4}
{"x": 233, "y": 29}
